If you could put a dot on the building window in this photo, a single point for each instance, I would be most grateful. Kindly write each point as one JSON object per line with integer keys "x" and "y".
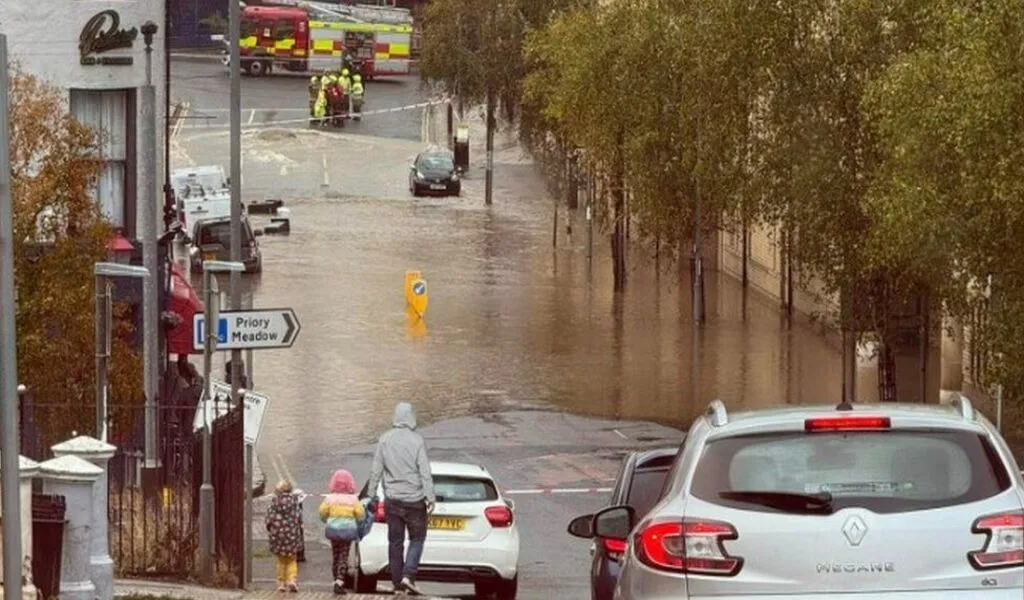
{"x": 112, "y": 114}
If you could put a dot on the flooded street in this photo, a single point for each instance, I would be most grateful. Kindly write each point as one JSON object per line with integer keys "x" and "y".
{"x": 511, "y": 320}
{"x": 518, "y": 337}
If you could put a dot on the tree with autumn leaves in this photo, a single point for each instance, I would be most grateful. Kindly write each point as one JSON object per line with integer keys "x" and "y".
{"x": 59, "y": 233}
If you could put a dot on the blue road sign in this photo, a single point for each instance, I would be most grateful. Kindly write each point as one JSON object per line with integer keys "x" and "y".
{"x": 251, "y": 329}
{"x": 418, "y": 288}
{"x": 200, "y": 331}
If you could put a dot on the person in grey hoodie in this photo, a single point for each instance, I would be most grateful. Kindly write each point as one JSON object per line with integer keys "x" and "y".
{"x": 401, "y": 463}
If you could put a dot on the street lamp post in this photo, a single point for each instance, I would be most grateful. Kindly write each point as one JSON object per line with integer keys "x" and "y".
{"x": 10, "y": 445}
{"x": 104, "y": 272}
{"x": 149, "y": 225}
{"x": 211, "y": 316}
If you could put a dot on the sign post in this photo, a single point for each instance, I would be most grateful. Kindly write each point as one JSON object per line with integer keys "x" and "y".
{"x": 258, "y": 329}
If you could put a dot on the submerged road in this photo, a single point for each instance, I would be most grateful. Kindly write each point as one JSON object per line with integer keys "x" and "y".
{"x": 519, "y": 337}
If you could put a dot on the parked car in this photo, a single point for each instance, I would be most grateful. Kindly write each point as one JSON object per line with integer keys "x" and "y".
{"x": 639, "y": 486}
{"x": 433, "y": 172}
{"x": 471, "y": 536}
{"x": 212, "y": 241}
{"x": 824, "y": 503}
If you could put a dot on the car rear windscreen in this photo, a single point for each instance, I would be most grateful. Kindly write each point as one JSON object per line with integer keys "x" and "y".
{"x": 886, "y": 472}
{"x": 220, "y": 233}
{"x": 645, "y": 489}
{"x": 464, "y": 489}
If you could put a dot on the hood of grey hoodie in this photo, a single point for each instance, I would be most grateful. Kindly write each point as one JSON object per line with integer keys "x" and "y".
{"x": 405, "y": 416}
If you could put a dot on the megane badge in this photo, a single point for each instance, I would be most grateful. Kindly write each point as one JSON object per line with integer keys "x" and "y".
{"x": 855, "y": 529}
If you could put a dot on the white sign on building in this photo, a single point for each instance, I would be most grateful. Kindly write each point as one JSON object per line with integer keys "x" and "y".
{"x": 94, "y": 53}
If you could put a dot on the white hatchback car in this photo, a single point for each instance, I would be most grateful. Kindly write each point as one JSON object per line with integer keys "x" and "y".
{"x": 471, "y": 536}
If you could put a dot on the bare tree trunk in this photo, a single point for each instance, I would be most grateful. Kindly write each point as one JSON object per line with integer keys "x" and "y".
{"x": 849, "y": 391}
{"x": 618, "y": 216}
{"x": 573, "y": 187}
{"x": 746, "y": 254}
{"x": 789, "y": 274}
{"x": 925, "y": 340}
{"x": 489, "y": 177}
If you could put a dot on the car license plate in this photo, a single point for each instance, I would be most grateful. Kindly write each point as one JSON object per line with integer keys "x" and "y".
{"x": 209, "y": 256}
{"x": 446, "y": 523}
{"x": 438, "y": 186}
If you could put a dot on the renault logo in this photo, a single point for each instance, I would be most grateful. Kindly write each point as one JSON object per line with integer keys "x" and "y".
{"x": 855, "y": 529}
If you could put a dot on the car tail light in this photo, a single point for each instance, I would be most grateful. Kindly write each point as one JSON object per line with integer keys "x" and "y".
{"x": 847, "y": 424}
{"x": 1004, "y": 546}
{"x": 614, "y": 548}
{"x": 378, "y": 515}
{"x": 499, "y": 516}
{"x": 690, "y": 546}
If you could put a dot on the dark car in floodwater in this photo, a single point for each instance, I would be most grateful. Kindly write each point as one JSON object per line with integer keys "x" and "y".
{"x": 433, "y": 173}
{"x": 212, "y": 241}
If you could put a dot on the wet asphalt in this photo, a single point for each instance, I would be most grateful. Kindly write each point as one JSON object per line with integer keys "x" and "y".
{"x": 527, "y": 363}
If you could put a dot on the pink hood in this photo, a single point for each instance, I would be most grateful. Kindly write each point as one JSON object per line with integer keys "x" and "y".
{"x": 342, "y": 483}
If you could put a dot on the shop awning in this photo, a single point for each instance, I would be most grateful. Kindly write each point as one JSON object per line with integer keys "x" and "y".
{"x": 186, "y": 304}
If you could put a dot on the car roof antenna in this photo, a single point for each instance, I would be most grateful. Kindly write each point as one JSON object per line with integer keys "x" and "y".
{"x": 845, "y": 406}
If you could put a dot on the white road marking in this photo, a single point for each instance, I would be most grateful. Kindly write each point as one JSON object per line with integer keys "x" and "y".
{"x": 327, "y": 181}
{"x": 284, "y": 467}
{"x": 277, "y": 467}
{"x": 620, "y": 434}
{"x": 252, "y": 116}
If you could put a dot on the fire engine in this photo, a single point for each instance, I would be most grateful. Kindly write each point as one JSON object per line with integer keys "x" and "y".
{"x": 308, "y": 37}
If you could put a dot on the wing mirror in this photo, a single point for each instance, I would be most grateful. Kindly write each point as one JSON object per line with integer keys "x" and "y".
{"x": 412, "y": 166}
{"x": 614, "y": 523}
{"x": 258, "y": 232}
{"x": 510, "y": 504}
{"x": 582, "y": 527}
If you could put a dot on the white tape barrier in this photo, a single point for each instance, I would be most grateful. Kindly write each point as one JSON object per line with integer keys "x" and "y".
{"x": 307, "y": 120}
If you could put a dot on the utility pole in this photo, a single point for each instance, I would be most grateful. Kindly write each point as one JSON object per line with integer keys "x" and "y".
{"x": 10, "y": 446}
{"x": 234, "y": 34}
{"x": 149, "y": 227}
{"x": 211, "y": 317}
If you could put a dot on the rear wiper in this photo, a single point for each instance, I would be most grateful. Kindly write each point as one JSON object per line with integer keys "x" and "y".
{"x": 786, "y": 501}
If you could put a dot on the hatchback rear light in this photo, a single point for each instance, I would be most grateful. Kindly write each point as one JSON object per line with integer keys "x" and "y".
{"x": 847, "y": 424}
{"x": 498, "y": 516}
{"x": 378, "y": 515}
{"x": 1004, "y": 545}
{"x": 690, "y": 546}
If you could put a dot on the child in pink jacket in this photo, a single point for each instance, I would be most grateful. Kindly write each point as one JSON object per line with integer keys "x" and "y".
{"x": 341, "y": 511}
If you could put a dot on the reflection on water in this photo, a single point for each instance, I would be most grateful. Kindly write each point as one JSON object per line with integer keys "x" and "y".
{"x": 510, "y": 320}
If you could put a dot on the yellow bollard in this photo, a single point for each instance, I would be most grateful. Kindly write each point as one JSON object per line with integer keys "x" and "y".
{"x": 419, "y": 299}
{"x": 415, "y": 326}
{"x": 410, "y": 276}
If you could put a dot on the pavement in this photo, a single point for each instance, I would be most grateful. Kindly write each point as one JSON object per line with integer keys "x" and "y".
{"x": 131, "y": 587}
